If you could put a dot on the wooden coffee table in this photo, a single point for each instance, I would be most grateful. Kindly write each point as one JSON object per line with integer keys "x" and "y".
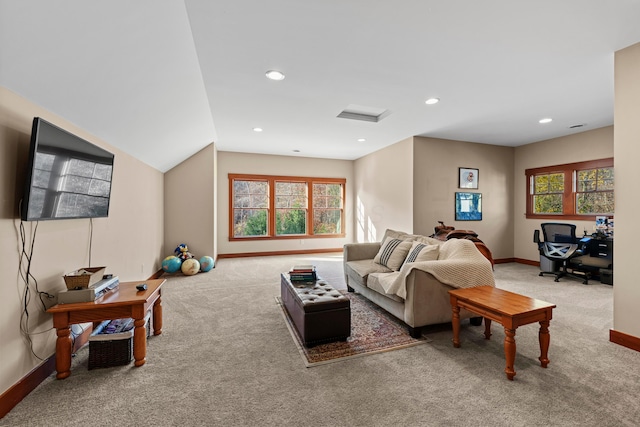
{"x": 510, "y": 310}
{"x": 125, "y": 301}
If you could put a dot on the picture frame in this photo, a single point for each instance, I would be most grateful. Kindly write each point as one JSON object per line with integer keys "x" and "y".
{"x": 468, "y": 178}
{"x": 468, "y": 206}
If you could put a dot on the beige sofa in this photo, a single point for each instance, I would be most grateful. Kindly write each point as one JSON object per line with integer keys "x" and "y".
{"x": 410, "y": 275}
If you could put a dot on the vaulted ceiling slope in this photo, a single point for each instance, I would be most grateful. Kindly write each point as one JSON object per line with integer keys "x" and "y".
{"x": 161, "y": 79}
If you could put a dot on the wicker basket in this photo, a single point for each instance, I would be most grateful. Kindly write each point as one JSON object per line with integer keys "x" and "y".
{"x": 108, "y": 350}
{"x": 77, "y": 280}
{"x": 116, "y": 351}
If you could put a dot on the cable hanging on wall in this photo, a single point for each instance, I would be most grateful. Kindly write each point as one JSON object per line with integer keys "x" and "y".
{"x": 90, "y": 238}
{"x": 24, "y": 269}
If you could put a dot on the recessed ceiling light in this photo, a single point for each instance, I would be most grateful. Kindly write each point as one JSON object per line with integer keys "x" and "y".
{"x": 274, "y": 75}
{"x": 257, "y": 129}
{"x": 296, "y": 151}
{"x": 545, "y": 120}
{"x": 361, "y": 140}
{"x": 432, "y": 101}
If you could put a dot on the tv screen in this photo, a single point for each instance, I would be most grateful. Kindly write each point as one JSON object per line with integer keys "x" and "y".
{"x": 67, "y": 176}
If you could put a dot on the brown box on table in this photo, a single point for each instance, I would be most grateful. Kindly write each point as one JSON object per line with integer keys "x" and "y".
{"x": 77, "y": 279}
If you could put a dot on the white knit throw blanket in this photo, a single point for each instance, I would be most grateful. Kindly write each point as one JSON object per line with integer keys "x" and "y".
{"x": 460, "y": 264}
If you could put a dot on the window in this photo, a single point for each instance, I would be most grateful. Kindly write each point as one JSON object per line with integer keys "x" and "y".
{"x": 594, "y": 193}
{"x": 548, "y": 189}
{"x": 279, "y": 207}
{"x": 250, "y": 207}
{"x": 291, "y": 208}
{"x": 571, "y": 191}
{"x": 327, "y": 208}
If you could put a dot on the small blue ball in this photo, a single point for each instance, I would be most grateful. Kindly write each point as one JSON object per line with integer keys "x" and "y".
{"x": 206, "y": 263}
{"x": 171, "y": 264}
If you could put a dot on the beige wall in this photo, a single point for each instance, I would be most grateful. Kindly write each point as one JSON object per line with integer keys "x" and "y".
{"x": 436, "y": 163}
{"x": 384, "y": 191}
{"x": 128, "y": 242}
{"x": 626, "y": 291}
{"x": 189, "y": 204}
{"x": 411, "y": 185}
{"x": 215, "y": 203}
{"x": 590, "y": 145}
{"x": 260, "y": 164}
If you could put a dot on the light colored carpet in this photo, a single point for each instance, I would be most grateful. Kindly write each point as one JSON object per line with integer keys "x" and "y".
{"x": 226, "y": 358}
{"x": 373, "y": 330}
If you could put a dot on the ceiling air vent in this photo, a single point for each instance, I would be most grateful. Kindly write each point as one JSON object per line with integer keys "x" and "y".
{"x": 365, "y": 114}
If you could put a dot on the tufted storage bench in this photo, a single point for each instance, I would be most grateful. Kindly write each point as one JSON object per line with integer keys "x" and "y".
{"x": 319, "y": 312}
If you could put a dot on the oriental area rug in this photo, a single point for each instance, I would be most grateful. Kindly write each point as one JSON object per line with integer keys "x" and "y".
{"x": 373, "y": 331}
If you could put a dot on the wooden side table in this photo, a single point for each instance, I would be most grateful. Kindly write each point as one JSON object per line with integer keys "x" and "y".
{"x": 126, "y": 301}
{"x": 510, "y": 310}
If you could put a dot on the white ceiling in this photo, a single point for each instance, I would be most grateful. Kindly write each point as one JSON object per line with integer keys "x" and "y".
{"x": 161, "y": 79}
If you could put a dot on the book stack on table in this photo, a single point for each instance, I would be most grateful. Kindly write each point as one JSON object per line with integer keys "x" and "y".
{"x": 303, "y": 273}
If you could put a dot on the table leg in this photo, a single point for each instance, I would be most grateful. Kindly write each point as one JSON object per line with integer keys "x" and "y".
{"x": 139, "y": 342}
{"x": 487, "y": 328}
{"x": 63, "y": 352}
{"x": 157, "y": 317}
{"x": 544, "y": 338}
{"x": 455, "y": 322}
{"x": 510, "y": 352}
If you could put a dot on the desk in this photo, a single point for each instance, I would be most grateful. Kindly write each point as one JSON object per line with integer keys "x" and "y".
{"x": 598, "y": 257}
{"x": 126, "y": 301}
{"x": 510, "y": 310}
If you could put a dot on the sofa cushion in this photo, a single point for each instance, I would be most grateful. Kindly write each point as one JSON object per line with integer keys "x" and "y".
{"x": 394, "y": 234}
{"x": 422, "y": 252}
{"x": 429, "y": 240}
{"x": 392, "y": 253}
{"x": 361, "y": 269}
{"x": 380, "y": 282}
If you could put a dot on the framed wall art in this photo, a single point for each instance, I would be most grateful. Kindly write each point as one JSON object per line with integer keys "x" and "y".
{"x": 468, "y": 206}
{"x": 468, "y": 178}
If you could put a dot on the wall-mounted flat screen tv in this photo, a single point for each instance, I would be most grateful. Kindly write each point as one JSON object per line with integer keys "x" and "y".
{"x": 67, "y": 176}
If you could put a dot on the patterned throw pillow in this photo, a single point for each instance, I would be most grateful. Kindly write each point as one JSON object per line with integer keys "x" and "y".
{"x": 392, "y": 253}
{"x": 422, "y": 252}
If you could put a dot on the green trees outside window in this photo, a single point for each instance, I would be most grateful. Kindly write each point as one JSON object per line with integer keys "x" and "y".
{"x": 291, "y": 208}
{"x": 572, "y": 191}
{"x": 250, "y": 203}
{"x": 595, "y": 191}
{"x": 281, "y": 207}
{"x": 327, "y": 208}
{"x": 548, "y": 191}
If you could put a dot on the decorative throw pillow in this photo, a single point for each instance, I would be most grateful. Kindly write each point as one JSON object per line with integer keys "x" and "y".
{"x": 422, "y": 252}
{"x": 392, "y": 253}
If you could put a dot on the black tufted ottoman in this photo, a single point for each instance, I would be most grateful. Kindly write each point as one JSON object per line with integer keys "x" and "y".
{"x": 319, "y": 312}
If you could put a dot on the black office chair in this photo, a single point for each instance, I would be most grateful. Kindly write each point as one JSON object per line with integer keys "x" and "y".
{"x": 560, "y": 245}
